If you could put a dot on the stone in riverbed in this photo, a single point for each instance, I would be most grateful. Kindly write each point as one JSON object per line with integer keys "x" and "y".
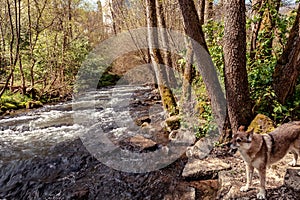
{"x": 204, "y": 169}
{"x": 34, "y": 104}
{"x": 140, "y": 121}
{"x": 141, "y": 143}
{"x": 173, "y": 122}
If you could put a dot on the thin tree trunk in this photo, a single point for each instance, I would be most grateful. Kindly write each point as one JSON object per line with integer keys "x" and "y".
{"x": 168, "y": 99}
{"x": 18, "y": 29}
{"x": 187, "y": 74}
{"x": 165, "y": 42}
{"x": 236, "y": 81}
{"x": 201, "y": 11}
{"x": 193, "y": 29}
{"x": 115, "y": 8}
{"x": 263, "y": 16}
{"x": 14, "y": 43}
{"x": 287, "y": 69}
{"x": 256, "y": 15}
{"x": 208, "y": 13}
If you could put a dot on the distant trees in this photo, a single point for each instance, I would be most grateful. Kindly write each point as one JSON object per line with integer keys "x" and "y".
{"x": 11, "y": 38}
{"x": 43, "y": 44}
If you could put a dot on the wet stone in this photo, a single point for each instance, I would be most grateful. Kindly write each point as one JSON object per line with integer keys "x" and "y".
{"x": 141, "y": 143}
{"x": 142, "y": 120}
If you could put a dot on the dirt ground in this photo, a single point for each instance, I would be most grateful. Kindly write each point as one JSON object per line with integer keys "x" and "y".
{"x": 275, "y": 176}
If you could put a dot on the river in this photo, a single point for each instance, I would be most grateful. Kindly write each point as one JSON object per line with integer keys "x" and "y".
{"x": 44, "y": 156}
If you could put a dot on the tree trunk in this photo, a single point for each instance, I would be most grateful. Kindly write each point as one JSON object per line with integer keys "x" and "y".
{"x": 256, "y": 15}
{"x": 205, "y": 66}
{"x": 208, "y": 13}
{"x": 287, "y": 69}
{"x": 115, "y": 9}
{"x": 168, "y": 99}
{"x": 201, "y": 11}
{"x": 187, "y": 74}
{"x": 165, "y": 42}
{"x": 236, "y": 81}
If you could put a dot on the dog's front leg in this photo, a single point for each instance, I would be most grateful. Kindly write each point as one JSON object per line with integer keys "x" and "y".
{"x": 262, "y": 190}
{"x": 249, "y": 175}
{"x": 294, "y": 162}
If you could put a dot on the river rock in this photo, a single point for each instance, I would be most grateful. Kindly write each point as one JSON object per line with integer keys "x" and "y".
{"x": 141, "y": 143}
{"x": 142, "y": 120}
{"x": 182, "y": 193}
{"x": 182, "y": 136}
{"x": 34, "y": 104}
{"x": 173, "y": 122}
{"x": 292, "y": 178}
{"x": 204, "y": 169}
{"x": 200, "y": 149}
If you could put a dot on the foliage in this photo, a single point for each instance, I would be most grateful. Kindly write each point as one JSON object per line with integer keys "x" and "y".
{"x": 260, "y": 72}
{"x": 13, "y": 101}
{"x": 214, "y": 31}
{"x": 55, "y": 37}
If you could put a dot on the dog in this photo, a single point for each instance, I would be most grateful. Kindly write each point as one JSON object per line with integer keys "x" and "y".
{"x": 261, "y": 150}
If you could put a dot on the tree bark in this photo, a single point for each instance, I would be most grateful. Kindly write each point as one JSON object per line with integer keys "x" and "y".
{"x": 116, "y": 12}
{"x": 193, "y": 29}
{"x": 165, "y": 42}
{"x": 166, "y": 94}
{"x": 287, "y": 69}
{"x": 236, "y": 81}
{"x": 187, "y": 74}
{"x": 208, "y": 13}
{"x": 201, "y": 11}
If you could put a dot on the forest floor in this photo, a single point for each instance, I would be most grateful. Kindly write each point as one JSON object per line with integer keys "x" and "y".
{"x": 276, "y": 189}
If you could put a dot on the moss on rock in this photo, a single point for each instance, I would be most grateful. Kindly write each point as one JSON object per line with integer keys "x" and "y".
{"x": 168, "y": 100}
{"x": 9, "y": 106}
{"x": 173, "y": 122}
{"x": 262, "y": 124}
{"x": 33, "y": 104}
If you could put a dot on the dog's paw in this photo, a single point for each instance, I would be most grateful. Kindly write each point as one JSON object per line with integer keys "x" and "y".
{"x": 261, "y": 195}
{"x": 244, "y": 188}
{"x": 292, "y": 163}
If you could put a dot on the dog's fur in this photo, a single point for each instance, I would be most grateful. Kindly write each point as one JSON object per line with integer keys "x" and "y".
{"x": 261, "y": 150}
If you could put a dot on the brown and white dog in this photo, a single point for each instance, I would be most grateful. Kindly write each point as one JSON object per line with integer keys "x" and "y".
{"x": 261, "y": 150}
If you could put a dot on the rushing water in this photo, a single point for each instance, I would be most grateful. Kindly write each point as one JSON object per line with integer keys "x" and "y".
{"x": 33, "y": 133}
{"x": 42, "y": 157}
